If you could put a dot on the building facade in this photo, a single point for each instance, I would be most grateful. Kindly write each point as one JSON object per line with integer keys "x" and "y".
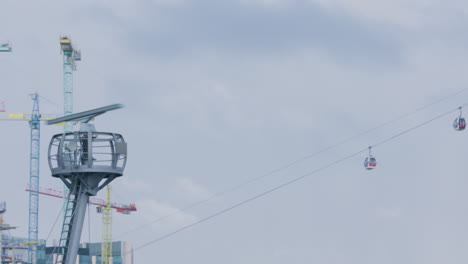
{"x": 15, "y": 250}
{"x": 90, "y": 253}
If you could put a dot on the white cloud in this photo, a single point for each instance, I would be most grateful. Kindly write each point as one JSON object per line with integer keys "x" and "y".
{"x": 133, "y": 185}
{"x": 268, "y": 3}
{"x": 164, "y": 217}
{"x": 222, "y": 91}
{"x": 390, "y": 213}
{"x": 192, "y": 189}
{"x": 415, "y": 13}
{"x": 133, "y": 9}
{"x": 168, "y": 2}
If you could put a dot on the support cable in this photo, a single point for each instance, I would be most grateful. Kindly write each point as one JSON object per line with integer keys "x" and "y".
{"x": 53, "y": 226}
{"x": 288, "y": 165}
{"x": 336, "y": 162}
{"x": 50, "y": 101}
{"x": 89, "y": 231}
{"x": 56, "y": 248}
{"x": 417, "y": 126}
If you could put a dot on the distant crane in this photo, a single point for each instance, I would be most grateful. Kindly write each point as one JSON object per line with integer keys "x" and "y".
{"x": 70, "y": 56}
{"x": 122, "y": 208}
{"x": 5, "y": 46}
{"x": 106, "y": 246}
{"x": 7, "y": 246}
{"x": 3, "y": 227}
{"x": 34, "y": 124}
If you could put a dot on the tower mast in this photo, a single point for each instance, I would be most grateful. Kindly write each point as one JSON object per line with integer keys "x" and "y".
{"x": 106, "y": 247}
{"x": 86, "y": 161}
{"x": 34, "y": 180}
{"x": 70, "y": 55}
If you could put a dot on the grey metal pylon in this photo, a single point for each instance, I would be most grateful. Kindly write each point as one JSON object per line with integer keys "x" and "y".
{"x": 86, "y": 161}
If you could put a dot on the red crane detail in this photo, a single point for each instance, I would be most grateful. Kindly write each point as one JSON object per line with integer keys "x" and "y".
{"x": 119, "y": 207}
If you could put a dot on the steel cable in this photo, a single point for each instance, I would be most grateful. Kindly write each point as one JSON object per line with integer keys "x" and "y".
{"x": 288, "y": 165}
{"x": 290, "y": 182}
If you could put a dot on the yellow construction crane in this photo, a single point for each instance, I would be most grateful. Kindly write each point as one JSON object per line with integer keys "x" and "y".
{"x": 23, "y": 117}
{"x": 106, "y": 247}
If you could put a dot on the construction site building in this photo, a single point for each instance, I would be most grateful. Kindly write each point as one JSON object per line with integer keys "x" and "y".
{"x": 90, "y": 253}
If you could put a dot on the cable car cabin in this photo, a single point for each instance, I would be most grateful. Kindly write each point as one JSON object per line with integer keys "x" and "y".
{"x": 459, "y": 124}
{"x": 370, "y": 163}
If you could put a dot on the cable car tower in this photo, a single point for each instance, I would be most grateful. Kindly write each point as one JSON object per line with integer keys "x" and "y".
{"x": 86, "y": 161}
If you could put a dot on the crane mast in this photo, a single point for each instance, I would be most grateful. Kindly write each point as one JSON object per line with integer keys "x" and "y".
{"x": 106, "y": 248}
{"x": 70, "y": 56}
{"x": 34, "y": 179}
{"x": 4, "y": 47}
{"x": 34, "y": 123}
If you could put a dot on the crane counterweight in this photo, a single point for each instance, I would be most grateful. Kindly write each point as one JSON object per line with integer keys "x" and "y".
{"x": 65, "y": 44}
{"x": 5, "y": 46}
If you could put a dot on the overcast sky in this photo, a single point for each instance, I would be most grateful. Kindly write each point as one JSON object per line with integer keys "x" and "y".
{"x": 220, "y": 92}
